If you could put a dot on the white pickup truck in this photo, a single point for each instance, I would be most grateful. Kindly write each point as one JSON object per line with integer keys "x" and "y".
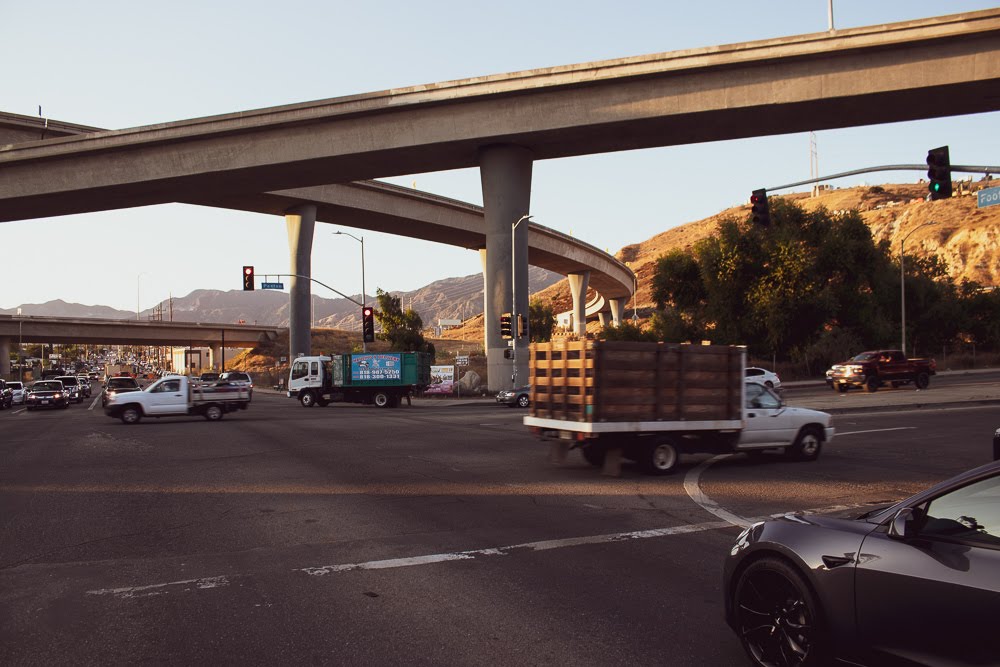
{"x": 177, "y": 395}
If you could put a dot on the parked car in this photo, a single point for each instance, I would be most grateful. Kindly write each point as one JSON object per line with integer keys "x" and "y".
{"x": 915, "y": 583}
{"x": 6, "y": 395}
{"x": 118, "y": 385}
{"x": 763, "y": 376}
{"x": 84, "y": 385}
{"x": 18, "y": 392}
{"x": 72, "y": 387}
{"x": 238, "y": 378}
{"x": 47, "y": 394}
{"x": 521, "y": 397}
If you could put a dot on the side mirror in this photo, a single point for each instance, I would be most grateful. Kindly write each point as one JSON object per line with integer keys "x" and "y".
{"x": 903, "y": 524}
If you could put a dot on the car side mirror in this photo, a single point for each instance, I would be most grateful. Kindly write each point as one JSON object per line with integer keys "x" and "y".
{"x": 904, "y": 524}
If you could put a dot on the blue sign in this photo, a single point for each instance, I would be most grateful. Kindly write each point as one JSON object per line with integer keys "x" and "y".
{"x": 272, "y": 285}
{"x": 988, "y": 197}
{"x": 375, "y": 367}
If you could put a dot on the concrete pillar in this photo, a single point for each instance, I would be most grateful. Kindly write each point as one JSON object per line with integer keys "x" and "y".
{"x": 505, "y": 172}
{"x": 216, "y": 356}
{"x": 578, "y": 288}
{"x": 602, "y": 317}
{"x": 301, "y": 222}
{"x": 617, "y": 310}
{"x": 5, "y": 344}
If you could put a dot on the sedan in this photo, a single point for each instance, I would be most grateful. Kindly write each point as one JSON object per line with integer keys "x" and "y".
{"x": 47, "y": 394}
{"x": 521, "y": 397}
{"x": 916, "y": 583}
{"x": 763, "y": 376}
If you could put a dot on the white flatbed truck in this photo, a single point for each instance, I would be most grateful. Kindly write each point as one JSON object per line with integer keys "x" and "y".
{"x": 178, "y": 395}
{"x": 652, "y": 402}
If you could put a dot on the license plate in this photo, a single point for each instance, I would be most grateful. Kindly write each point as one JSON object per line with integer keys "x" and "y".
{"x": 45, "y": 401}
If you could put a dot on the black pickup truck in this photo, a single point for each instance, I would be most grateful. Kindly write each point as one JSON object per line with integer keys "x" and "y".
{"x": 878, "y": 368}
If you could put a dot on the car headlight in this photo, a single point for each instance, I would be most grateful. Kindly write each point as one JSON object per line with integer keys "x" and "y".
{"x": 57, "y": 396}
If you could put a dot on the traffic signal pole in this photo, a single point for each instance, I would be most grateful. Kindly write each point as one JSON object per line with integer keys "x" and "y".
{"x": 967, "y": 169}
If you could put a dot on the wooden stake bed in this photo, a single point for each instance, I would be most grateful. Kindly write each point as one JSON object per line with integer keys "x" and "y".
{"x": 631, "y": 383}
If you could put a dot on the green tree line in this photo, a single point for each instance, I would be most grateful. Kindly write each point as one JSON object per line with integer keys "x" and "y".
{"x": 812, "y": 287}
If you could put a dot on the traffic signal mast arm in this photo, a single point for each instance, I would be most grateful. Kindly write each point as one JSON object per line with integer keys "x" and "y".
{"x": 966, "y": 169}
{"x": 298, "y": 275}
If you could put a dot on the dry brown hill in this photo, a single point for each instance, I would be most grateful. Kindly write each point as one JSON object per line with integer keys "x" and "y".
{"x": 966, "y": 238}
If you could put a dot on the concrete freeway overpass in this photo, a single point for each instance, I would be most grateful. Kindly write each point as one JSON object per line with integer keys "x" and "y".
{"x": 917, "y": 69}
{"x": 34, "y": 329}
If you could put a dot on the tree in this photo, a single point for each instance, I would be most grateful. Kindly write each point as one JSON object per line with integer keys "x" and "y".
{"x": 541, "y": 321}
{"x": 402, "y": 329}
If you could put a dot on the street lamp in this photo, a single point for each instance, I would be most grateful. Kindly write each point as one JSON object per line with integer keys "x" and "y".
{"x": 515, "y": 329}
{"x": 364, "y": 298}
{"x": 20, "y": 348}
{"x": 902, "y": 285}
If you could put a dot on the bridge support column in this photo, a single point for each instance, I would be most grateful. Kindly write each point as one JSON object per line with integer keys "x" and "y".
{"x": 578, "y": 288}
{"x": 617, "y": 311}
{"x": 301, "y": 223}
{"x": 216, "y": 356}
{"x": 5, "y": 344}
{"x": 602, "y": 317}
{"x": 505, "y": 172}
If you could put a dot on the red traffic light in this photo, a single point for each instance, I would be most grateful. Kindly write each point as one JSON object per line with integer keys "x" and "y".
{"x": 367, "y": 312}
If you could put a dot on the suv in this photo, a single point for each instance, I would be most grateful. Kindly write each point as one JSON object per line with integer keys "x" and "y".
{"x": 6, "y": 395}
{"x": 118, "y": 385}
{"x": 72, "y": 387}
{"x": 18, "y": 390}
{"x": 238, "y": 378}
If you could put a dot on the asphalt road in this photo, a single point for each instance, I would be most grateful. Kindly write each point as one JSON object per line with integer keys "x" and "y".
{"x": 436, "y": 534}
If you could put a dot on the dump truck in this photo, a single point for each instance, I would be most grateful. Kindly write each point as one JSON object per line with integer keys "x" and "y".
{"x": 381, "y": 379}
{"x": 653, "y": 402}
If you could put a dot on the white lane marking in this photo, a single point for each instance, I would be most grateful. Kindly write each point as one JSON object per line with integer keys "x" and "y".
{"x": 693, "y": 489}
{"x": 129, "y": 592}
{"x": 94, "y": 402}
{"x": 19, "y": 411}
{"x": 875, "y": 430}
{"x": 543, "y": 545}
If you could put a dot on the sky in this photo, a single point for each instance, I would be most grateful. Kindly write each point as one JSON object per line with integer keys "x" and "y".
{"x": 118, "y": 64}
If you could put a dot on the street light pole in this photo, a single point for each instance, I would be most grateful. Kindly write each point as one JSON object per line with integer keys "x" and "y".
{"x": 902, "y": 285}
{"x": 515, "y": 329}
{"x": 20, "y": 348}
{"x": 364, "y": 297}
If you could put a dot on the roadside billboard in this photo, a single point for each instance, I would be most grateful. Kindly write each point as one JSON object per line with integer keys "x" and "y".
{"x": 442, "y": 380}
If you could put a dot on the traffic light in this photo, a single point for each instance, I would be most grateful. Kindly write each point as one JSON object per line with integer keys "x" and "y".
{"x": 939, "y": 173}
{"x": 505, "y": 330}
{"x": 247, "y": 278}
{"x": 368, "y": 324}
{"x": 522, "y": 325}
{"x": 759, "y": 210}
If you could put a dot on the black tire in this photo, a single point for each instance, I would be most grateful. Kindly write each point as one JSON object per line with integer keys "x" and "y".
{"x": 871, "y": 384}
{"x": 660, "y": 457}
{"x": 594, "y": 454}
{"x": 213, "y": 413}
{"x": 769, "y": 384}
{"x": 778, "y": 619}
{"x": 842, "y": 388}
{"x": 922, "y": 381}
{"x": 382, "y": 399}
{"x": 896, "y": 384}
{"x": 307, "y": 399}
{"x": 131, "y": 415}
{"x": 807, "y": 446}
{"x": 523, "y": 401}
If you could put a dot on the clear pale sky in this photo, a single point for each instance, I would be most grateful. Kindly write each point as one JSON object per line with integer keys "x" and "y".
{"x": 127, "y": 63}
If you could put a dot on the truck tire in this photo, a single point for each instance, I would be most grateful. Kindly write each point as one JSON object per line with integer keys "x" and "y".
{"x": 213, "y": 413}
{"x": 807, "y": 445}
{"x": 131, "y": 415}
{"x": 871, "y": 384}
{"x": 594, "y": 454}
{"x": 382, "y": 399}
{"x": 307, "y": 399}
{"x": 659, "y": 457}
{"x": 922, "y": 381}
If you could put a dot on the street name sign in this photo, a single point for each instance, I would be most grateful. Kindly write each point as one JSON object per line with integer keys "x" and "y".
{"x": 272, "y": 285}
{"x": 988, "y": 197}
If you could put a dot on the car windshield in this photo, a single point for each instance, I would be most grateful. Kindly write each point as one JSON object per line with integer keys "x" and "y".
{"x": 865, "y": 356}
{"x": 122, "y": 383}
{"x": 238, "y": 377}
{"x": 67, "y": 380}
{"x": 15, "y": 385}
{"x": 47, "y": 386}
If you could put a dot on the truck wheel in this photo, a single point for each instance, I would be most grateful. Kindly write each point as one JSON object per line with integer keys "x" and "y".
{"x": 131, "y": 415}
{"x": 660, "y": 458}
{"x": 923, "y": 379}
{"x": 213, "y": 413}
{"x": 307, "y": 399}
{"x": 807, "y": 445}
{"x": 871, "y": 384}
{"x": 381, "y": 399}
{"x": 594, "y": 454}
{"x": 842, "y": 388}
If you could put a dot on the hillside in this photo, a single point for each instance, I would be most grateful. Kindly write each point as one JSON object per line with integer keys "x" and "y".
{"x": 966, "y": 238}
